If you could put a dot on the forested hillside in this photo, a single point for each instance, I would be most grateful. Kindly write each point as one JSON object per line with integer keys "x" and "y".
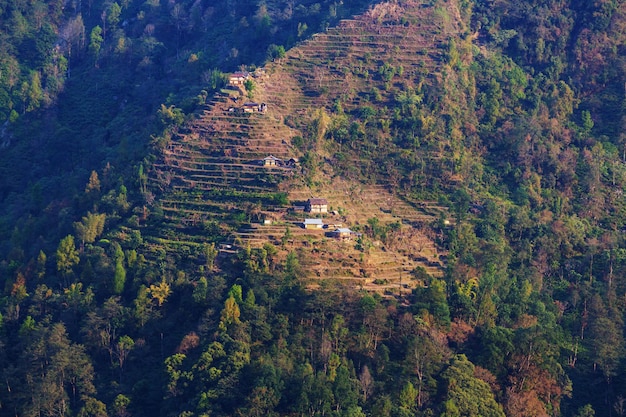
{"x": 152, "y": 253}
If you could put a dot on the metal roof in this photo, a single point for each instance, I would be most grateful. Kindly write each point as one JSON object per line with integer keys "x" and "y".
{"x": 317, "y": 201}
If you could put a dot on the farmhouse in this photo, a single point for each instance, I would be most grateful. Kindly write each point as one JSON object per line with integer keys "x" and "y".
{"x": 238, "y": 78}
{"x": 317, "y": 205}
{"x": 313, "y": 224}
{"x": 252, "y": 107}
{"x": 342, "y": 233}
{"x": 271, "y": 161}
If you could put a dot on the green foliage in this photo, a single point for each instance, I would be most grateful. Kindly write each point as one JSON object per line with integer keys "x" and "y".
{"x": 250, "y": 87}
{"x": 586, "y": 411}
{"x": 521, "y": 140}
{"x": 67, "y": 255}
{"x": 467, "y": 395}
{"x": 120, "y": 404}
{"x": 215, "y": 79}
{"x": 210, "y": 253}
{"x": 90, "y": 227}
{"x": 278, "y": 51}
{"x": 236, "y": 292}
{"x": 230, "y": 313}
{"x": 119, "y": 277}
{"x": 433, "y": 300}
{"x": 171, "y": 115}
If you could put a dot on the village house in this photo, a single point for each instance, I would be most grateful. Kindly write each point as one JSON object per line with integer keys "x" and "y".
{"x": 333, "y": 226}
{"x": 252, "y": 107}
{"x": 271, "y": 161}
{"x": 317, "y": 205}
{"x": 313, "y": 223}
{"x": 343, "y": 233}
{"x": 238, "y": 78}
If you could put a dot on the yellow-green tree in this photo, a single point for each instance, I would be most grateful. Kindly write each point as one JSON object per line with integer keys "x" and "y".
{"x": 90, "y": 227}
{"x": 160, "y": 292}
{"x": 230, "y": 313}
{"x": 67, "y": 256}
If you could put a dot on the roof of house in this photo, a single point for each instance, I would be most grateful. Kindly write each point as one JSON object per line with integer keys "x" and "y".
{"x": 271, "y": 158}
{"x": 317, "y": 201}
{"x": 342, "y": 230}
{"x": 313, "y": 221}
{"x": 251, "y": 104}
{"x": 240, "y": 74}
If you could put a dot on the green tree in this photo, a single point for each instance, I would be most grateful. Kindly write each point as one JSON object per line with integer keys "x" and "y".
{"x": 171, "y": 115}
{"x": 113, "y": 14}
{"x": 41, "y": 265}
{"x": 101, "y": 326}
{"x": 122, "y": 349}
{"x": 250, "y": 87}
{"x": 90, "y": 227}
{"x": 466, "y": 395}
{"x": 210, "y": 253}
{"x": 200, "y": 290}
{"x": 93, "y": 408}
{"x": 35, "y": 92}
{"x": 120, "y": 405}
{"x": 586, "y": 411}
{"x": 433, "y": 300}
{"x": 119, "y": 277}
{"x": 408, "y": 399}
{"x": 142, "y": 305}
{"x": 95, "y": 43}
{"x": 67, "y": 256}
{"x": 236, "y": 292}
{"x": 230, "y": 314}
{"x": 277, "y": 52}
{"x": 345, "y": 388}
{"x": 292, "y": 266}
{"x": 57, "y": 374}
{"x": 606, "y": 339}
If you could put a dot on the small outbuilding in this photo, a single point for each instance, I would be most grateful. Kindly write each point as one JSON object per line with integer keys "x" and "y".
{"x": 317, "y": 205}
{"x": 292, "y": 162}
{"x": 313, "y": 224}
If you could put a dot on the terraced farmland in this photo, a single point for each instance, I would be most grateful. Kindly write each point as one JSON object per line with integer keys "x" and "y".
{"x": 211, "y": 175}
{"x": 401, "y": 43}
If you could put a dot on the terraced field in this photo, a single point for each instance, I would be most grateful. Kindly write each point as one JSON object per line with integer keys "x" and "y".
{"x": 401, "y": 43}
{"x": 211, "y": 175}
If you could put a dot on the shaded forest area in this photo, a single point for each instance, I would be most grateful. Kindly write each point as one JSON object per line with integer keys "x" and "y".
{"x": 521, "y": 134}
{"x": 81, "y": 85}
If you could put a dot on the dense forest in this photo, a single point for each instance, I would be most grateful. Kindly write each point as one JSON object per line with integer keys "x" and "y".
{"x": 515, "y": 125}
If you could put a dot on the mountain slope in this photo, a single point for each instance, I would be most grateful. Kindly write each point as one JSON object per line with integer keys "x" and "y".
{"x": 212, "y": 169}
